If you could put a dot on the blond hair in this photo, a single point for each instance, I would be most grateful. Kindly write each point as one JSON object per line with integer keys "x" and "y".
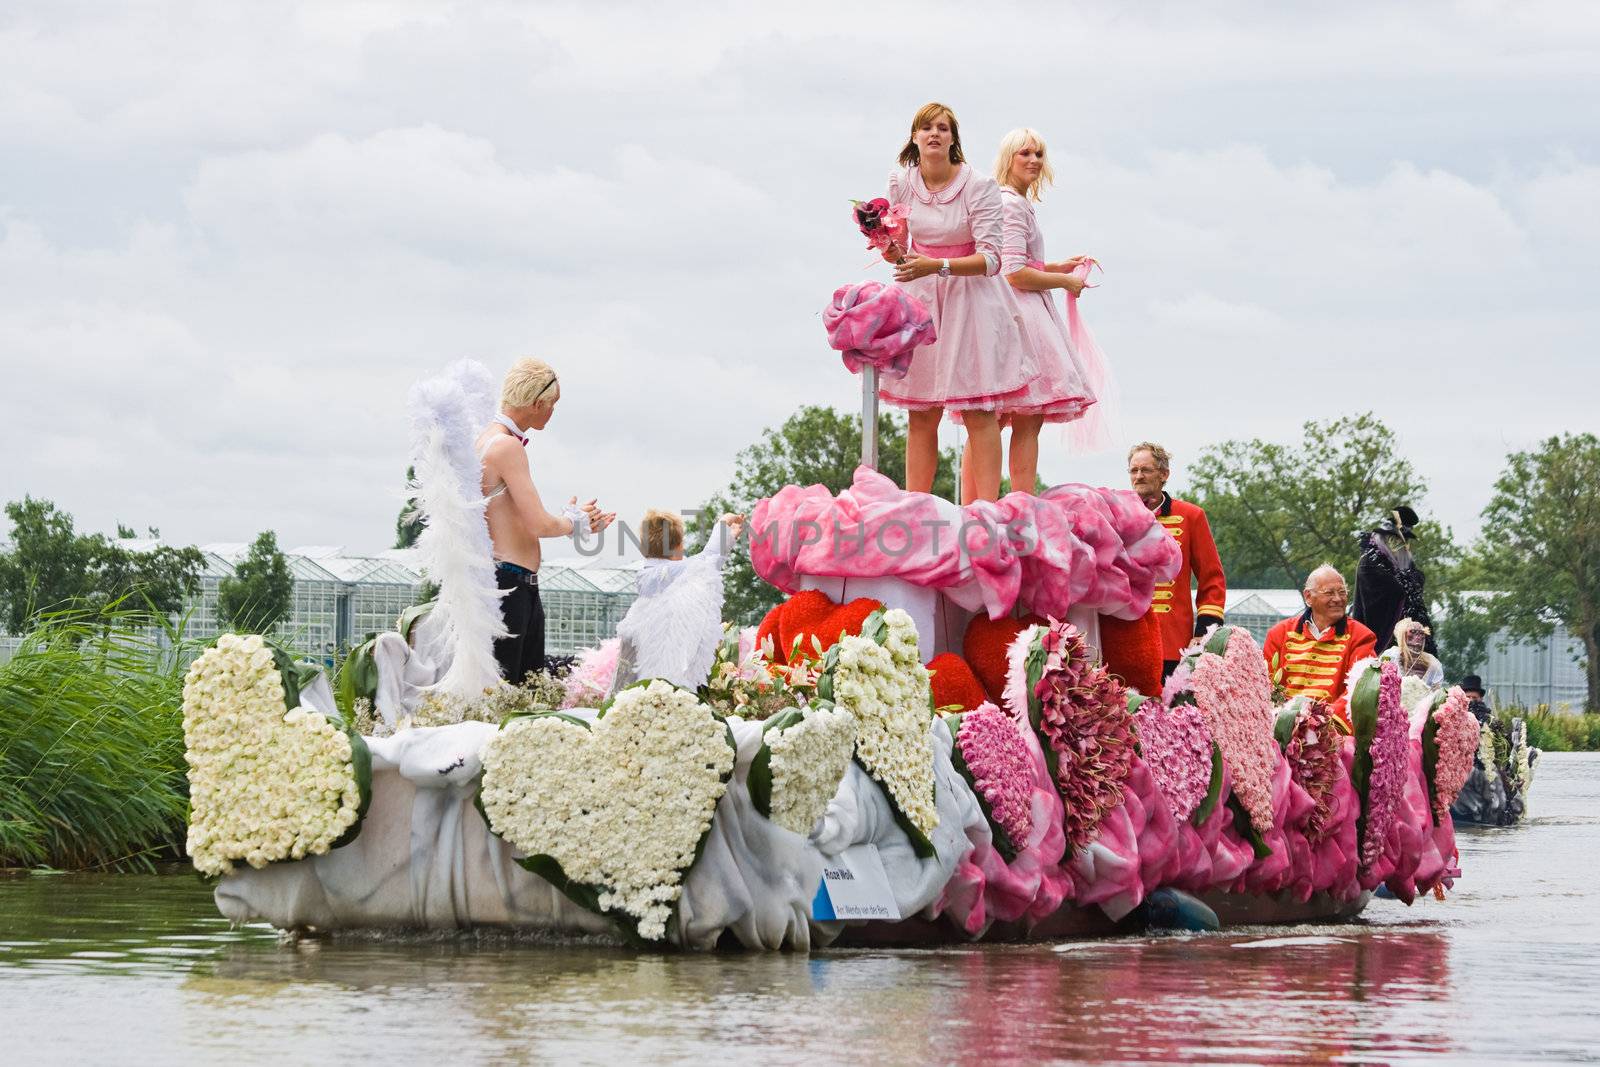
{"x": 1010, "y": 145}
{"x": 661, "y": 533}
{"x": 910, "y": 156}
{"x": 1162, "y": 457}
{"x": 529, "y": 381}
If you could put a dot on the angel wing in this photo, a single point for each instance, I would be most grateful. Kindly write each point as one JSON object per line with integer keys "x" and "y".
{"x": 454, "y": 545}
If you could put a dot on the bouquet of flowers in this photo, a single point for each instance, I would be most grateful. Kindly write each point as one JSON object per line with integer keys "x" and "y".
{"x": 1382, "y": 733}
{"x": 881, "y": 223}
{"x": 992, "y": 756}
{"x": 878, "y": 677}
{"x": 1449, "y": 739}
{"x": 1080, "y": 712}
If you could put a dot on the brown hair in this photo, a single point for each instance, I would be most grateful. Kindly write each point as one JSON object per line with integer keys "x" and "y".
{"x": 661, "y": 533}
{"x": 909, "y": 156}
{"x": 1162, "y": 457}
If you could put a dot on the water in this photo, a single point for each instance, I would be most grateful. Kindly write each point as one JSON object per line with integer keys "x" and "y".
{"x": 141, "y": 970}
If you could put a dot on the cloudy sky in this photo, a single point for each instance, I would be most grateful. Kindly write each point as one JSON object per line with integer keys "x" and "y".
{"x": 231, "y": 236}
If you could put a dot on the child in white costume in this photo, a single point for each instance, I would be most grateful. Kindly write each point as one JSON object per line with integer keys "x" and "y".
{"x": 672, "y": 631}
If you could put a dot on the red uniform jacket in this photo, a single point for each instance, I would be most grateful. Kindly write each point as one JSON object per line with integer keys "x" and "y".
{"x": 1172, "y": 605}
{"x": 1316, "y": 667}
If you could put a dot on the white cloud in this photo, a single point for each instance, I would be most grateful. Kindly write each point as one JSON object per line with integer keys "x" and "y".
{"x": 236, "y": 235}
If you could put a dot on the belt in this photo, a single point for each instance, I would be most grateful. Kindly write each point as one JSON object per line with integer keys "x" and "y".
{"x": 518, "y": 572}
{"x": 944, "y": 251}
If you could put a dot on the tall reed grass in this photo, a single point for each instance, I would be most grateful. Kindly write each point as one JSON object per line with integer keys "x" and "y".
{"x": 1558, "y": 730}
{"x": 92, "y": 774}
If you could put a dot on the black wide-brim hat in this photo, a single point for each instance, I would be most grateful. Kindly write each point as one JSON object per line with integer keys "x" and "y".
{"x": 1402, "y": 520}
{"x": 1472, "y": 684}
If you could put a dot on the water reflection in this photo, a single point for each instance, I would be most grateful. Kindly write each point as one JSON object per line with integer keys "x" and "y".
{"x": 1496, "y": 973}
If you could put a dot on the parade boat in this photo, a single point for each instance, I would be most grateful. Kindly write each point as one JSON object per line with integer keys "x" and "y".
{"x": 923, "y": 743}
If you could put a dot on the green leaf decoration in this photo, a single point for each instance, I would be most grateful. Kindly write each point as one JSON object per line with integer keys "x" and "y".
{"x": 1283, "y": 726}
{"x": 920, "y": 845}
{"x": 413, "y": 615}
{"x": 760, "y": 777}
{"x": 1035, "y": 670}
{"x": 1363, "y": 707}
{"x": 361, "y": 768}
{"x": 1213, "y": 790}
{"x": 1247, "y": 829}
{"x": 358, "y": 677}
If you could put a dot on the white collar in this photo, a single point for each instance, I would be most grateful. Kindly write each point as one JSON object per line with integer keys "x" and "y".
{"x": 505, "y": 420}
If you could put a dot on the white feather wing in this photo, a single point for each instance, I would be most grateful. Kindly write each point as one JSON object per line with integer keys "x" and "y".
{"x": 454, "y": 546}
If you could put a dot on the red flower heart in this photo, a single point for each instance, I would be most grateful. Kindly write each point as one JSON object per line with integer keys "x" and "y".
{"x": 954, "y": 683}
{"x": 811, "y": 614}
{"x": 984, "y": 649}
{"x": 1132, "y": 651}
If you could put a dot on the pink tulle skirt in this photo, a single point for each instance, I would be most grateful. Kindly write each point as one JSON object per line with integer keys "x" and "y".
{"x": 1060, "y": 393}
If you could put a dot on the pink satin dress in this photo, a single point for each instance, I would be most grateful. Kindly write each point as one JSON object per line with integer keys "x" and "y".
{"x": 1061, "y": 392}
{"x": 980, "y": 358}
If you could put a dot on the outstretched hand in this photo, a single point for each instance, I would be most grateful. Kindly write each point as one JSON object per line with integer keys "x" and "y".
{"x": 598, "y": 519}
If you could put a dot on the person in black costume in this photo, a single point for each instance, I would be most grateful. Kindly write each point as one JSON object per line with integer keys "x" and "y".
{"x": 1388, "y": 581}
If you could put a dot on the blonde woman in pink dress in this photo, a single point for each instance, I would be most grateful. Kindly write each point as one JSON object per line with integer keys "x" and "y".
{"x": 1061, "y": 392}
{"x": 980, "y": 357}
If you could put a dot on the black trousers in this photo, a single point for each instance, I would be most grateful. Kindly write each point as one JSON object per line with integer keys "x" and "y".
{"x": 521, "y": 652}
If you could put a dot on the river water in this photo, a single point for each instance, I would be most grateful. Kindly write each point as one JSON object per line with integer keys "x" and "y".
{"x": 137, "y": 969}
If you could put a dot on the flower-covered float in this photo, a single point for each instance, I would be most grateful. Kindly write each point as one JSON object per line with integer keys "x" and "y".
{"x": 932, "y": 739}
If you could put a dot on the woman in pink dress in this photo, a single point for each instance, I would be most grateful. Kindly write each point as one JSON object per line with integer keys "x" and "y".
{"x": 1062, "y": 392}
{"x": 980, "y": 357}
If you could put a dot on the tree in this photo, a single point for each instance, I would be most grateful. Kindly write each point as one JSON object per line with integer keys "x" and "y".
{"x": 814, "y": 445}
{"x": 1541, "y": 543}
{"x": 1279, "y": 510}
{"x": 261, "y": 590}
{"x": 50, "y": 566}
{"x": 408, "y": 524}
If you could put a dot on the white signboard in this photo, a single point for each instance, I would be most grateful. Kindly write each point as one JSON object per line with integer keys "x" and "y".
{"x": 854, "y": 886}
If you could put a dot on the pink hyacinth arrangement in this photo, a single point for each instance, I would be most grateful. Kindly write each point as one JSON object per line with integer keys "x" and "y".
{"x": 877, "y": 324}
{"x": 1176, "y": 745}
{"x": 1001, "y": 769}
{"x": 1313, "y": 755}
{"x": 1457, "y": 740}
{"x": 1083, "y": 717}
{"x": 1234, "y": 693}
{"x": 1390, "y": 753}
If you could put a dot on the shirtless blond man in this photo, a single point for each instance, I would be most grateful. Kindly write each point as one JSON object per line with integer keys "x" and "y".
{"x": 517, "y": 516}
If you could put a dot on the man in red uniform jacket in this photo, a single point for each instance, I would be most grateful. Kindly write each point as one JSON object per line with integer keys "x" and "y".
{"x": 1181, "y": 619}
{"x": 1311, "y": 653}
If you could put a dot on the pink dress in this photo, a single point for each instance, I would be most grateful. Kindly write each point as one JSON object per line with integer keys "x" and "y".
{"x": 980, "y": 357}
{"x": 1061, "y": 392}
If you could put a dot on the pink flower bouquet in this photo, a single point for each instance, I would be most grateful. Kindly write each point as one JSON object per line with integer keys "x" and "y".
{"x": 881, "y": 223}
{"x": 1382, "y": 749}
{"x": 1080, "y": 712}
{"x": 1449, "y": 740}
{"x": 1234, "y": 694}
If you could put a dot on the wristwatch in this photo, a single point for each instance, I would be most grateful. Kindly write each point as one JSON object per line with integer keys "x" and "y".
{"x": 944, "y": 268}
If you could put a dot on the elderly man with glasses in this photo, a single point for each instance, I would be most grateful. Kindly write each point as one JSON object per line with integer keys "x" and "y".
{"x": 1181, "y": 614}
{"x": 1311, "y": 653}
